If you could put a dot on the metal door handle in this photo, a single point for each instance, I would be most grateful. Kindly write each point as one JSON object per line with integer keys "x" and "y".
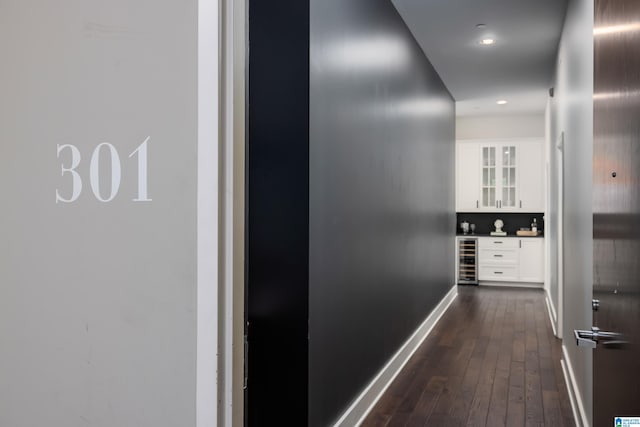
{"x": 583, "y": 339}
{"x": 595, "y": 336}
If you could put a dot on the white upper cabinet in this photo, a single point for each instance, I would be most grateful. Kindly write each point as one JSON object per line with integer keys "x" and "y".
{"x": 532, "y": 176}
{"x": 500, "y": 176}
{"x": 467, "y": 177}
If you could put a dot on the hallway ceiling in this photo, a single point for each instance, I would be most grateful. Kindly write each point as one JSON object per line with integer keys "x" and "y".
{"x": 518, "y": 67}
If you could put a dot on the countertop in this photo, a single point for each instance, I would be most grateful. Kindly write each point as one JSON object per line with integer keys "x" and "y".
{"x": 508, "y": 235}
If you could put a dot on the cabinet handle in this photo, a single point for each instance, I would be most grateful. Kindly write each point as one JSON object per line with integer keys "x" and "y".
{"x": 497, "y": 256}
{"x": 477, "y": 204}
{"x": 520, "y": 243}
{"x": 520, "y": 204}
{"x": 497, "y": 272}
{"x": 498, "y": 242}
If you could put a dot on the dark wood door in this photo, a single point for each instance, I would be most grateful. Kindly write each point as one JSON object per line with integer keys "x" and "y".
{"x": 616, "y": 201}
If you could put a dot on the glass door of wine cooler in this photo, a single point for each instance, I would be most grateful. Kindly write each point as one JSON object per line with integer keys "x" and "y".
{"x": 467, "y": 261}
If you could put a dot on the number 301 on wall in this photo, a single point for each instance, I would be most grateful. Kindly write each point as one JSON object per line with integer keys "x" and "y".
{"x": 94, "y": 172}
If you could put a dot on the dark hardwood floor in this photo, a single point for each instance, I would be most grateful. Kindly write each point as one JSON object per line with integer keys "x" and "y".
{"x": 492, "y": 360}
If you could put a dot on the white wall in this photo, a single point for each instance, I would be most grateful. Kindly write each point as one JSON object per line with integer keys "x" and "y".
{"x": 98, "y": 299}
{"x": 572, "y": 113}
{"x": 502, "y": 126}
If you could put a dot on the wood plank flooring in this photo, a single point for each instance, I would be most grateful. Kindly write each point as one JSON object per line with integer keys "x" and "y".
{"x": 492, "y": 360}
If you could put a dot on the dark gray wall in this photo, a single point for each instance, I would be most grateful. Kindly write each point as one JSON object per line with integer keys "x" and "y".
{"x": 381, "y": 176}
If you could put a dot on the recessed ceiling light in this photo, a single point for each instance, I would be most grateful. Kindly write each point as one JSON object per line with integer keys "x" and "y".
{"x": 487, "y": 42}
{"x": 501, "y": 101}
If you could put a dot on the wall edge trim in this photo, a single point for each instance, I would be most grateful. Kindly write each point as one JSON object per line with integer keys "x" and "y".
{"x": 363, "y": 404}
{"x": 553, "y": 317}
{"x": 207, "y": 216}
{"x": 575, "y": 397}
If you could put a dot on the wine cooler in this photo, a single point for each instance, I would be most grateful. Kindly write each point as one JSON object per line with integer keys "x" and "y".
{"x": 467, "y": 261}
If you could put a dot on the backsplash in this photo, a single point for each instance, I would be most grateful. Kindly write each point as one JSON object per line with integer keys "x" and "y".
{"x": 512, "y": 221}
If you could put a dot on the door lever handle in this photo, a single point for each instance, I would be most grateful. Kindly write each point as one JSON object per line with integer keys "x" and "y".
{"x": 595, "y": 336}
{"x": 584, "y": 339}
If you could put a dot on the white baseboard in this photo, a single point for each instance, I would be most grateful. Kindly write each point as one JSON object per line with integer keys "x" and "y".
{"x": 512, "y": 284}
{"x": 552, "y": 313}
{"x": 579, "y": 414}
{"x": 363, "y": 404}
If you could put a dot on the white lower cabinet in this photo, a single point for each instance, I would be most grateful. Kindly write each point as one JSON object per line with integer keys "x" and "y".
{"x": 511, "y": 259}
{"x": 531, "y": 260}
{"x": 498, "y": 273}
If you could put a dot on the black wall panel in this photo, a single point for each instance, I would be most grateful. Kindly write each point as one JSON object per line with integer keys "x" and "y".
{"x": 382, "y": 214}
{"x": 278, "y": 212}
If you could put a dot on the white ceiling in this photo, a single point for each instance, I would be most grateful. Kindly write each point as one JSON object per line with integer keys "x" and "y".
{"x": 518, "y": 67}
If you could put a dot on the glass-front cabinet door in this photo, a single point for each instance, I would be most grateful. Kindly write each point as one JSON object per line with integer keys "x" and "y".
{"x": 489, "y": 180}
{"x": 499, "y": 177}
{"x": 508, "y": 177}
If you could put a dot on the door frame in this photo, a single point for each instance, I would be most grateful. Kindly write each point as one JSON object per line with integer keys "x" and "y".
{"x": 560, "y": 236}
{"x": 554, "y": 167}
{"x": 231, "y": 241}
{"x": 220, "y": 213}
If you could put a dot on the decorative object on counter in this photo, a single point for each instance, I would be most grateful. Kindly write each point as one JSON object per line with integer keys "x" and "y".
{"x": 465, "y": 227}
{"x": 526, "y": 232}
{"x": 472, "y": 227}
{"x": 530, "y": 232}
{"x": 498, "y": 232}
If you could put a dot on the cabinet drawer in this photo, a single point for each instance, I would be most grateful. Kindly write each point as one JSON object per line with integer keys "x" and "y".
{"x": 499, "y": 256}
{"x": 498, "y": 272}
{"x": 498, "y": 243}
